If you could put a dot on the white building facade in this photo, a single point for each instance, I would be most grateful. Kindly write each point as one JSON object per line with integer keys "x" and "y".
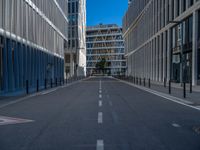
{"x": 32, "y": 38}
{"x": 162, "y": 40}
{"x": 75, "y": 54}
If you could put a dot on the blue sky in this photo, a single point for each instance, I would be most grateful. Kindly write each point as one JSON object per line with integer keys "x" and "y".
{"x": 105, "y": 11}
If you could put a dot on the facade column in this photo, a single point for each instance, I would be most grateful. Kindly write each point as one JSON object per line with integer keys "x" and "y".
{"x": 194, "y": 48}
{"x": 164, "y": 54}
{"x": 71, "y": 64}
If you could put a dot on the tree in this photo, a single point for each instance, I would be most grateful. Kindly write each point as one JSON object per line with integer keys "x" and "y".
{"x": 101, "y": 65}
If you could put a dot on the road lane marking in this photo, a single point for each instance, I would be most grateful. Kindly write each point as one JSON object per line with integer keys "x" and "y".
{"x": 100, "y": 91}
{"x": 100, "y": 103}
{"x": 48, "y": 92}
{"x": 165, "y": 96}
{"x": 10, "y": 121}
{"x": 100, "y": 96}
{"x": 100, "y": 118}
{"x": 100, "y": 86}
{"x": 100, "y": 145}
{"x": 176, "y": 125}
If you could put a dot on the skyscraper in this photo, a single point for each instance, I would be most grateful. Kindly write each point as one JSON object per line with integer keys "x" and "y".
{"x": 75, "y": 54}
{"x": 32, "y": 40}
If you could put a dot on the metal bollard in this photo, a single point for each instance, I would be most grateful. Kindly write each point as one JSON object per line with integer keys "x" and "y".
{"x": 51, "y": 83}
{"x": 170, "y": 87}
{"x": 140, "y": 81}
{"x": 190, "y": 86}
{"x": 37, "y": 85}
{"x": 56, "y": 82}
{"x": 45, "y": 83}
{"x": 27, "y": 87}
{"x": 184, "y": 89}
{"x": 165, "y": 82}
{"x": 149, "y": 83}
{"x": 144, "y": 82}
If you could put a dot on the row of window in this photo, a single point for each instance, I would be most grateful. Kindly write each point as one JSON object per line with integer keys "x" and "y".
{"x": 21, "y": 19}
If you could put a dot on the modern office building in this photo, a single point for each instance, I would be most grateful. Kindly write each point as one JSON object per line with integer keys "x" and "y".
{"x": 105, "y": 41}
{"x": 162, "y": 40}
{"x": 32, "y": 37}
{"x": 75, "y": 54}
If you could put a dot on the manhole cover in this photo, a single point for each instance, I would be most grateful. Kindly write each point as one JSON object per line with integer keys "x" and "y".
{"x": 197, "y": 129}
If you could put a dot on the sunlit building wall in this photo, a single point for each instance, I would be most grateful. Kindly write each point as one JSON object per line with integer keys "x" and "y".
{"x": 162, "y": 40}
{"x": 32, "y": 38}
{"x": 75, "y": 54}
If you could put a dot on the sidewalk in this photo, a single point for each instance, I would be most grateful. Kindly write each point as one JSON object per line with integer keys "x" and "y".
{"x": 176, "y": 91}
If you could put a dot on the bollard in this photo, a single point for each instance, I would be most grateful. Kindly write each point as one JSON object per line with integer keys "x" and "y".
{"x": 51, "y": 83}
{"x": 37, "y": 85}
{"x": 169, "y": 86}
{"x": 149, "y": 83}
{"x": 134, "y": 80}
{"x": 184, "y": 89}
{"x": 140, "y": 81}
{"x": 45, "y": 83}
{"x": 144, "y": 82}
{"x": 165, "y": 82}
{"x": 56, "y": 82}
{"x": 66, "y": 81}
{"x": 190, "y": 86}
{"x": 60, "y": 81}
{"x": 27, "y": 87}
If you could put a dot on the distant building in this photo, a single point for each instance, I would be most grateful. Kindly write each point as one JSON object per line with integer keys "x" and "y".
{"x": 75, "y": 54}
{"x": 105, "y": 41}
{"x": 32, "y": 40}
{"x": 162, "y": 40}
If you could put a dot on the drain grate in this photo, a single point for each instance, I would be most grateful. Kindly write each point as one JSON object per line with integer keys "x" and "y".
{"x": 197, "y": 129}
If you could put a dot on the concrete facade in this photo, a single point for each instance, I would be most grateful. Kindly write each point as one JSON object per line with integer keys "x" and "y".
{"x": 162, "y": 40}
{"x": 105, "y": 41}
{"x": 75, "y": 54}
{"x": 32, "y": 38}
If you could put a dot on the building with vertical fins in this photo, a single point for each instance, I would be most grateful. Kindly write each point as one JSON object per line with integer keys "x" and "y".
{"x": 105, "y": 42}
{"x": 33, "y": 34}
{"x": 75, "y": 54}
{"x": 162, "y": 40}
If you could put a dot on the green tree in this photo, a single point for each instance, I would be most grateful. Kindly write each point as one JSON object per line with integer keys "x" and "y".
{"x": 101, "y": 65}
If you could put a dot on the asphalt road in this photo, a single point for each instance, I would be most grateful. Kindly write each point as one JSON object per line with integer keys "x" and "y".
{"x": 100, "y": 114}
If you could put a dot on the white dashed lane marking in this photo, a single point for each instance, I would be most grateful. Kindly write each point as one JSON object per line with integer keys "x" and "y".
{"x": 100, "y": 103}
{"x": 100, "y": 96}
{"x": 176, "y": 125}
{"x": 100, "y": 118}
{"x": 100, "y": 145}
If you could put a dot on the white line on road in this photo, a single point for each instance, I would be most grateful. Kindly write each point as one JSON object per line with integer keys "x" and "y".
{"x": 176, "y": 125}
{"x": 100, "y": 96}
{"x": 100, "y": 103}
{"x": 100, "y": 145}
{"x": 100, "y": 118}
{"x": 100, "y": 85}
{"x": 100, "y": 91}
{"x": 165, "y": 96}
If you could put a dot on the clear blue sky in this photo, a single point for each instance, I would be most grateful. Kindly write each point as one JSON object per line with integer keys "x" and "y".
{"x": 105, "y": 11}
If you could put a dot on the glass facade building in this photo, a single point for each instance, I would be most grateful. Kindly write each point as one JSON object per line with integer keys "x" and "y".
{"x": 162, "y": 40}
{"x": 75, "y": 54}
{"x": 33, "y": 34}
{"x": 105, "y": 42}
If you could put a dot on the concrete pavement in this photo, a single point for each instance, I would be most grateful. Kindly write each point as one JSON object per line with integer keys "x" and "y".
{"x": 100, "y": 114}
